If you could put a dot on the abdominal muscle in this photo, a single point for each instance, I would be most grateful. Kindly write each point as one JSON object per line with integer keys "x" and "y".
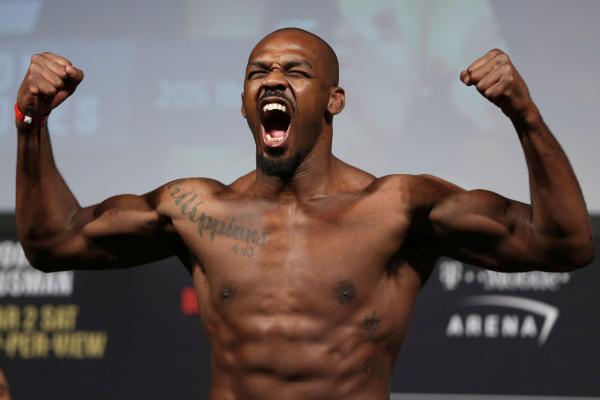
{"x": 282, "y": 362}
{"x": 272, "y": 346}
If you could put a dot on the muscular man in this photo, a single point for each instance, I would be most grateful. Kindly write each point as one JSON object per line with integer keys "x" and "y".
{"x": 307, "y": 268}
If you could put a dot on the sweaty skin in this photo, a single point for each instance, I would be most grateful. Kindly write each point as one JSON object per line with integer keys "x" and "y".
{"x": 305, "y": 280}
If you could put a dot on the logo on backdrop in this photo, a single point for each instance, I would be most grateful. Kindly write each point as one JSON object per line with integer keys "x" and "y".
{"x": 493, "y": 316}
{"x": 40, "y": 330}
{"x": 515, "y": 318}
{"x": 454, "y": 275}
{"x": 19, "y": 279}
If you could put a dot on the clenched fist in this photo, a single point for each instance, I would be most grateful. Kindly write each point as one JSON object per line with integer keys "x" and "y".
{"x": 497, "y": 79}
{"x": 48, "y": 82}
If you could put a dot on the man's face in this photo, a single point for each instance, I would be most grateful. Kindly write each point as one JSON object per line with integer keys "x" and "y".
{"x": 286, "y": 93}
{"x": 4, "y": 389}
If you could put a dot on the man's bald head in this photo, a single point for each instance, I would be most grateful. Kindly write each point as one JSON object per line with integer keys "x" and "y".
{"x": 298, "y": 70}
{"x": 317, "y": 44}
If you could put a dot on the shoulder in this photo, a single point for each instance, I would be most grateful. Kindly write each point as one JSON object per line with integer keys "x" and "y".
{"x": 410, "y": 184}
{"x": 415, "y": 191}
{"x": 204, "y": 188}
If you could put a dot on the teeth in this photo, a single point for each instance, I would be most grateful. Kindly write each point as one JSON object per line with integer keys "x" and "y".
{"x": 274, "y": 140}
{"x": 274, "y": 106}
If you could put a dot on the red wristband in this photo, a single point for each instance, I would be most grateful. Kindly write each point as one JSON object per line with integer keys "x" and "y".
{"x": 27, "y": 120}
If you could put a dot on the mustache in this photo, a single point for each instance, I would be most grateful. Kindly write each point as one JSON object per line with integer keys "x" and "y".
{"x": 276, "y": 93}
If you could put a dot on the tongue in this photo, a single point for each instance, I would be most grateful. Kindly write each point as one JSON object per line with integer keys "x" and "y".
{"x": 276, "y": 133}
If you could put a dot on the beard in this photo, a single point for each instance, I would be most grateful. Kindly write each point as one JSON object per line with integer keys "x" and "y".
{"x": 279, "y": 167}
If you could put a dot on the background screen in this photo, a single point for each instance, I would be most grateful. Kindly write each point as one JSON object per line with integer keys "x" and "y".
{"x": 161, "y": 96}
{"x": 161, "y": 100}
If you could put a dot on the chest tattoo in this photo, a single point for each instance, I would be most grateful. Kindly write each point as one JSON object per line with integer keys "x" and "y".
{"x": 189, "y": 205}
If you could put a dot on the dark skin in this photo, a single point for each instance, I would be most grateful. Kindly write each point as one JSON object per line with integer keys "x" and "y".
{"x": 305, "y": 284}
{"x": 4, "y": 387}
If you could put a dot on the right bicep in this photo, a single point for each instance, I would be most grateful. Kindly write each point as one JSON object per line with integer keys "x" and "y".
{"x": 121, "y": 231}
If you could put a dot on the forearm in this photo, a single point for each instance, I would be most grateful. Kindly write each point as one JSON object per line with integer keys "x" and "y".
{"x": 558, "y": 212}
{"x": 44, "y": 203}
{"x": 553, "y": 232}
{"x": 56, "y": 233}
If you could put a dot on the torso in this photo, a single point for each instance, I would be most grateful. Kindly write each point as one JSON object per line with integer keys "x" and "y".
{"x": 301, "y": 300}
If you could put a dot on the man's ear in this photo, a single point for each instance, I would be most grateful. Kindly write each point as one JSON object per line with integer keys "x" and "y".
{"x": 243, "y": 109}
{"x": 337, "y": 100}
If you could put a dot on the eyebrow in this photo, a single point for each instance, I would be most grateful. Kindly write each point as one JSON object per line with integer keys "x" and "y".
{"x": 286, "y": 65}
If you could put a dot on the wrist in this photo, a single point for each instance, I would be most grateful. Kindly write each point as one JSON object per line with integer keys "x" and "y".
{"x": 528, "y": 119}
{"x": 26, "y": 123}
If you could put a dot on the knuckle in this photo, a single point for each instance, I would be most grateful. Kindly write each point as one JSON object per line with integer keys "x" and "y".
{"x": 61, "y": 73}
{"x": 64, "y": 60}
{"x": 33, "y": 77}
{"x": 49, "y": 90}
{"x": 58, "y": 83}
{"x": 501, "y": 58}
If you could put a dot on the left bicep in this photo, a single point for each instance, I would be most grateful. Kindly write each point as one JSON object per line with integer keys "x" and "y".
{"x": 485, "y": 229}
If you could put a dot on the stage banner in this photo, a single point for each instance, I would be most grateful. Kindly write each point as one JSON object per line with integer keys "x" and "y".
{"x": 119, "y": 334}
{"x": 476, "y": 331}
{"x": 135, "y": 333}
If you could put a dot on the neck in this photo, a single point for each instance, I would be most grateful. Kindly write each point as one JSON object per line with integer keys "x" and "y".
{"x": 312, "y": 178}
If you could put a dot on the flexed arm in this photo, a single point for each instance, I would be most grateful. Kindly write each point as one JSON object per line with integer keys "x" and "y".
{"x": 554, "y": 232}
{"x": 55, "y": 231}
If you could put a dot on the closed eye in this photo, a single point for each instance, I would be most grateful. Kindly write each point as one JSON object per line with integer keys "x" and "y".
{"x": 298, "y": 73}
{"x": 256, "y": 74}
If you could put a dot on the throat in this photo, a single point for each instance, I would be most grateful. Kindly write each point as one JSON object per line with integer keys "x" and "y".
{"x": 299, "y": 177}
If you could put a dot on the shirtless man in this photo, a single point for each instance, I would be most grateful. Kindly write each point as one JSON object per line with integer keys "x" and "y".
{"x": 306, "y": 269}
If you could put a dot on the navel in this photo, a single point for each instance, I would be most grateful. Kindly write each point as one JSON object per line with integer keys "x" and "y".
{"x": 344, "y": 291}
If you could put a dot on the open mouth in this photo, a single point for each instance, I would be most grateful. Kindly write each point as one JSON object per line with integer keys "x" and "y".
{"x": 275, "y": 123}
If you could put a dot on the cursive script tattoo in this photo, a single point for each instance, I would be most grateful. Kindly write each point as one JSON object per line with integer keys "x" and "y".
{"x": 189, "y": 205}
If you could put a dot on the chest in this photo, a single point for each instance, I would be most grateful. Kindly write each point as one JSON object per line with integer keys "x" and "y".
{"x": 287, "y": 255}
